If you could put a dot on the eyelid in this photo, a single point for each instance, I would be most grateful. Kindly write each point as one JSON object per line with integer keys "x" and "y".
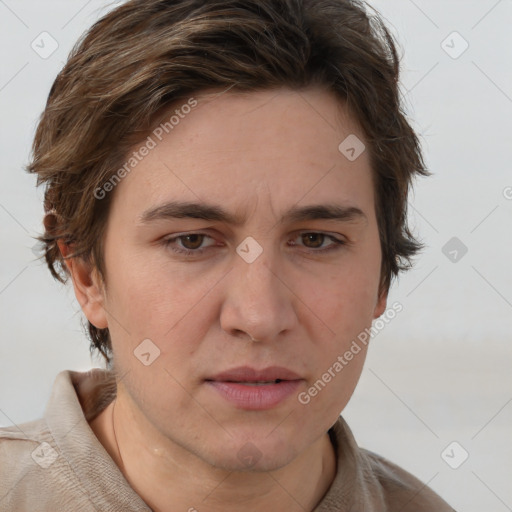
{"x": 337, "y": 243}
{"x": 334, "y": 239}
{"x": 169, "y": 240}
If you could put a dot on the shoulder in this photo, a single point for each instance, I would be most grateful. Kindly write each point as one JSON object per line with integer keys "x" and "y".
{"x": 401, "y": 490}
{"x": 23, "y": 449}
{"x": 34, "y": 474}
{"x": 367, "y": 481}
{"x": 57, "y": 463}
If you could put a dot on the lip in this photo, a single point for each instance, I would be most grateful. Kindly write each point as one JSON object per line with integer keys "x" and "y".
{"x": 234, "y": 386}
{"x": 248, "y": 374}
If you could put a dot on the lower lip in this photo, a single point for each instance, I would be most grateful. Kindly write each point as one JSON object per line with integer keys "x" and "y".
{"x": 263, "y": 396}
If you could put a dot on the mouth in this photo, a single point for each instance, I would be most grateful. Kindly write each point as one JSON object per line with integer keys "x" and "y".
{"x": 257, "y": 383}
{"x": 251, "y": 389}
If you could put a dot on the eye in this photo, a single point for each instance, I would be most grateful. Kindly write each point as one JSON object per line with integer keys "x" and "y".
{"x": 189, "y": 243}
{"x": 193, "y": 241}
{"x": 313, "y": 240}
{"x": 195, "y": 244}
{"x": 318, "y": 242}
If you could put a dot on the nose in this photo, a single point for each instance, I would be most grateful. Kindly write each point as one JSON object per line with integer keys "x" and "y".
{"x": 258, "y": 302}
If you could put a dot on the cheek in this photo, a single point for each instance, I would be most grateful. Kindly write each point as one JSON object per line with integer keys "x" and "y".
{"x": 344, "y": 299}
{"x": 159, "y": 302}
{"x": 332, "y": 387}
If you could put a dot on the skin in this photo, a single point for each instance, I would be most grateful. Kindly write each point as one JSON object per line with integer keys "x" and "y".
{"x": 256, "y": 155}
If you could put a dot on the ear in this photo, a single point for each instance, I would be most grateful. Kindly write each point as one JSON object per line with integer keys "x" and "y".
{"x": 88, "y": 286}
{"x": 381, "y": 304}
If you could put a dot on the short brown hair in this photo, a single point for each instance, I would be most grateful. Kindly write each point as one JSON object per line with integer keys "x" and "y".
{"x": 147, "y": 54}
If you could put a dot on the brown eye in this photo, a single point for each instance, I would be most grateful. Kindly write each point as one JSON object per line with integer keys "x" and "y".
{"x": 193, "y": 241}
{"x": 191, "y": 244}
{"x": 313, "y": 240}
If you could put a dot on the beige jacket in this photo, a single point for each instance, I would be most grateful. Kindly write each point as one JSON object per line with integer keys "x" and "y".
{"x": 57, "y": 463}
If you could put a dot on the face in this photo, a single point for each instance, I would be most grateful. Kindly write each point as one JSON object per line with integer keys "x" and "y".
{"x": 244, "y": 222}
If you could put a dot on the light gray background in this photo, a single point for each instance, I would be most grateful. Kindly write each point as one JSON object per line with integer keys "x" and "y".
{"x": 440, "y": 371}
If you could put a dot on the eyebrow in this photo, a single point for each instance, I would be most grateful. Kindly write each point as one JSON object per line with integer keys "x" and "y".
{"x": 181, "y": 210}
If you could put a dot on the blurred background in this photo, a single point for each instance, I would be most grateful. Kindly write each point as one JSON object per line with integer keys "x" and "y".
{"x": 436, "y": 394}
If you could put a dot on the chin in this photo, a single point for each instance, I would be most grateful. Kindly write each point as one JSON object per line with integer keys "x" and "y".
{"x": 257, "y": 453}
{"x": 252, "y": 462}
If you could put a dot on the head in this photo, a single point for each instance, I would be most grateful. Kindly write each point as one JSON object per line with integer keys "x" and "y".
{"x": 236, "y": 113}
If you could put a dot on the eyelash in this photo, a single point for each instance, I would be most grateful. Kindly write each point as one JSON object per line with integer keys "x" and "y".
{"x": 168, "y": 243}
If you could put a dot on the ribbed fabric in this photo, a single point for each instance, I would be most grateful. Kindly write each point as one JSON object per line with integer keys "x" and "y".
{"x": 57, "y": 464}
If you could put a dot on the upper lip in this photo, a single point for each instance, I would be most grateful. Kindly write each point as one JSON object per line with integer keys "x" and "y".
{"x": 248, "y": 374}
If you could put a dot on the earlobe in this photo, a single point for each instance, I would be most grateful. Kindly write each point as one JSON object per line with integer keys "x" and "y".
{"x": 88, "y": 287}
{"x": 380, "y": 307}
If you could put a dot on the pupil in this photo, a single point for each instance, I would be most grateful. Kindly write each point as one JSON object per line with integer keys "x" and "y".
{"x": 313, "y": 239}
{"x": 192, "y": 241}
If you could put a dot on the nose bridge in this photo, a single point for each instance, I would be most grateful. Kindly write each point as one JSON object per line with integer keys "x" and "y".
{"x": 257, "y": 302}
{"x": 258, "y": 278}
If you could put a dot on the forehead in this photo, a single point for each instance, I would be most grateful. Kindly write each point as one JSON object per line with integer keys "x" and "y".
{"x": 219, "y": 146}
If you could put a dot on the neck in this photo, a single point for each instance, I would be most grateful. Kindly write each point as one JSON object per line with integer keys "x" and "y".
{"x": 168, "y": 477}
